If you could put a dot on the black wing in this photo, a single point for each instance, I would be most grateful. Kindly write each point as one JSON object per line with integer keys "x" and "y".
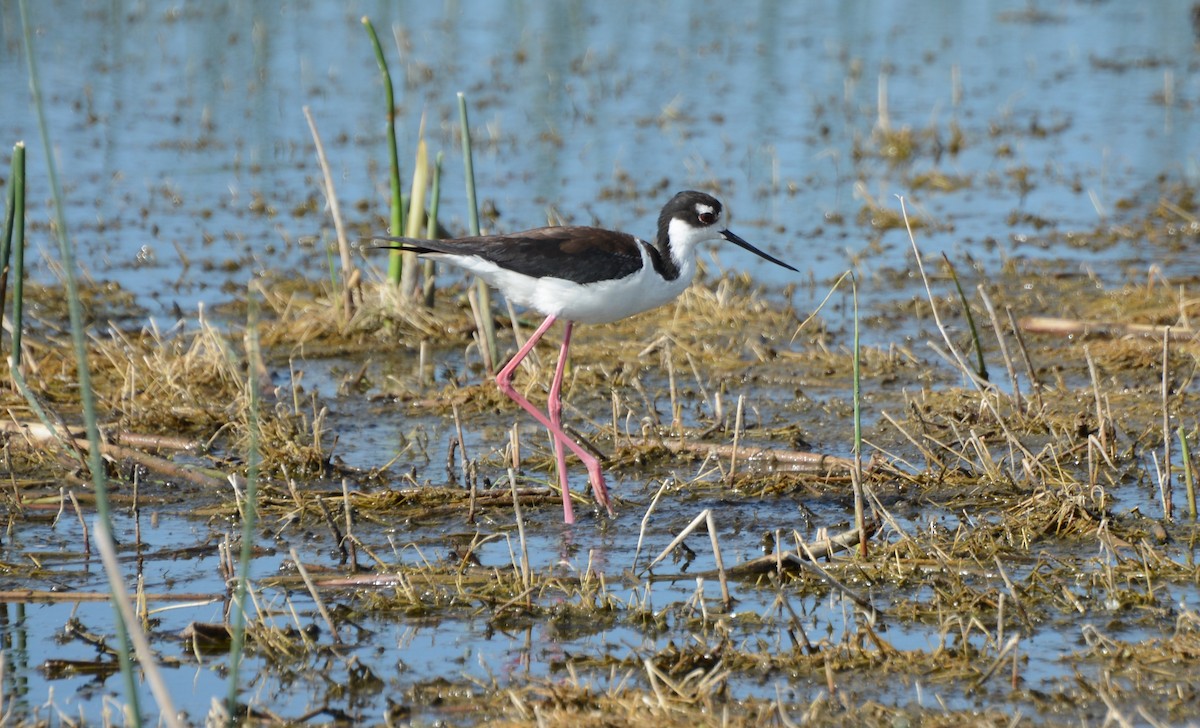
{"x": 578, "y": 254}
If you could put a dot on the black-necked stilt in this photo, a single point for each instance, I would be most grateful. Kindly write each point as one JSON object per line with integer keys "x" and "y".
{"x": 586, "y": 275}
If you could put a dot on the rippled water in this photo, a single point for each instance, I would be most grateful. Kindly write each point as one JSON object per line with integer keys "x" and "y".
{"x": 180, "y": 134}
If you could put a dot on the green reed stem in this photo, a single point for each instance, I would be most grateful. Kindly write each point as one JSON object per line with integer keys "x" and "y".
{"x": 859, "y": 516}
{"x": 331, "y": 265}
{"x": 86, "y": 395}
{"x": 397, "y": 207}
{"x": 962, "y": 296}
{"x": 435, "y": 194}
{"x": 431, "y": 226}
{"x": 1189, "y": 475}
{"x": 14, "y": 249}
{"x": 6, "y": 241}
{"x": 249, "y": 513}
{"x": 468, "y": 165}
{"x": 484, "y": 293}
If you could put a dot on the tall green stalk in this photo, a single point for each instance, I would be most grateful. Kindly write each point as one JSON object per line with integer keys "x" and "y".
{"x": 435, "y": 196}
{"x": 981, "y": 366}
{"x": 484, "y": 293}
{"x": 397, "y": 205}
{"x": 859, "y": 516}
{"x": 86, "y": 396}
{"x": 249, "y": 515}
{"x": 6, "y": 241}
{"x": 1189, "y": 475}
{"x": 468, "y": 165}
{"x": 14, "y": 248}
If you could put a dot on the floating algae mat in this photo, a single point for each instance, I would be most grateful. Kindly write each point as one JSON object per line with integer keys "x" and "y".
{"x": 1027, "y": 548}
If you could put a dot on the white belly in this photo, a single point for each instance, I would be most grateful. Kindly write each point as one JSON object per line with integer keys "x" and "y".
{"x": 593, "y": 303}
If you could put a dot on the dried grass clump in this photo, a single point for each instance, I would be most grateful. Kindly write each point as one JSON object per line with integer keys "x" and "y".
{"x": 190, "y": 384}
{"x": 307, "y": 318}
{"x": 574, "y": 702}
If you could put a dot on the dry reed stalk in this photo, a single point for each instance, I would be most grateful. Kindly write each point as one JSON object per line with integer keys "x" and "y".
{"x": 312, "y": 590}
{"x": 1034, "y": 384}
{"x": 812, "y": 564}
{"x": 687, "y": 530}
{"x": 782, "y": 711}
{"x": 514, "y": 447}
{"x": 930, "y": 458}
{"x": 481, "y": 339}
{"x": 414, "y": 221}
{"x": 651, "y": 412}
{"x": 699, "y": 382}
{"x": 1012, "y": 591}
{"x": 349, "y": 272}
{"x": 141, "y": 645}
{"x": 646, "y": 521}
{"x": 526, "y": 575}
{"x": 87, "y": 542}
{"x": 461, "y": 442}
{"x": 423, "y": 378}
{"x": 1101, "y": 427}
{"x": 716, "y": 547}
{"x": 737, "y": 432}
{"x": 350, "y": 541}
{"x": 338, "y": 537}
{"x": 960, "y": 364}
{"x": 1000, "y": 341}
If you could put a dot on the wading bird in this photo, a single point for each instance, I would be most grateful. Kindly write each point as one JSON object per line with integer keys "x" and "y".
{"x": 584, "y": 275}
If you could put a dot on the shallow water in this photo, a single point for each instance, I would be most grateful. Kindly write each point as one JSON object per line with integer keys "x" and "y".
{"x": 183, "y": 137}
{"x": 188, "y": 170}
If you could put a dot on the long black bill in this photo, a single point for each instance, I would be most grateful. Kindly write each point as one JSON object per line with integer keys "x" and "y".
{"x": 743, "y": 244}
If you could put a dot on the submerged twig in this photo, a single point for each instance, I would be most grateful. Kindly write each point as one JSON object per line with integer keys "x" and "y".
{"x": 1075, "y": 327}
{"x": 787, "y": 561}
{"x": 38, "y": 432}
{"x": 791, "y": 460}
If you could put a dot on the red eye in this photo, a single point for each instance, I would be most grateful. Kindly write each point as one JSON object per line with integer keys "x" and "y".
{"x": 708, "y": 218}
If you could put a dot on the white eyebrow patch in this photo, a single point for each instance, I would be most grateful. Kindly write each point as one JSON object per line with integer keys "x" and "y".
{"x": 702, "y": 208}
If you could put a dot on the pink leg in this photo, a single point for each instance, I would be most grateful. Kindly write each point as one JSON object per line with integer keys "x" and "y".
{"x": 504, "y": 381}
{"x": 554, "y": 409}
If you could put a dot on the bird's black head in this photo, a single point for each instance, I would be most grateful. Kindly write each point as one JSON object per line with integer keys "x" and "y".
{"x": 697, "y": 209}
{"x": 692, "y": 218}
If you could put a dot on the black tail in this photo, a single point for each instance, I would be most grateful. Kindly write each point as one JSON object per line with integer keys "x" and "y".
{"x": 408, "y": 245}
